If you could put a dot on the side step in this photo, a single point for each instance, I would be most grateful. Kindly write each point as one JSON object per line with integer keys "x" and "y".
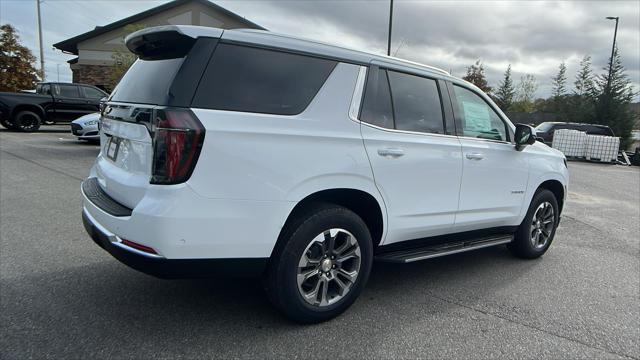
{"x": 433, "y": 251}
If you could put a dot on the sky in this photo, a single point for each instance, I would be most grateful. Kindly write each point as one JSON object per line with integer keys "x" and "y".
{"x": 533, "y": 36}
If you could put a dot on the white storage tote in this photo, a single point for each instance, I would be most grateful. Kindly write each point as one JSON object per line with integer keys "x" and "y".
{"x": 572, "y": 143}
{"x": 602, "y": 148}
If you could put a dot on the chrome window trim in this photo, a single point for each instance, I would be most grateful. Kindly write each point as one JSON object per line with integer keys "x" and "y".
{"x": 407, "y": 131}
{"x": 358, "y": 93}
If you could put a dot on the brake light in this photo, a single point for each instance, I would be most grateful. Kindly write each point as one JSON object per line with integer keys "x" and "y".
{"x": 177, "y": 140}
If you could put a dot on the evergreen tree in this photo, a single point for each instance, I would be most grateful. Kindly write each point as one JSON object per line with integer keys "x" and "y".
{"x": 613, "y": 99}
{"x": 506, "y": 91}
{"x": 584, "y": 78}
{"x": 560, "y": 81}
{"x": 475, "y": 75}
{"x": 580, "y": 104}
{"x": 17, "y": 71}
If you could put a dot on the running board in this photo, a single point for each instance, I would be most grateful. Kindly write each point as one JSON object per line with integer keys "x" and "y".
{"x": 434, "y": 251}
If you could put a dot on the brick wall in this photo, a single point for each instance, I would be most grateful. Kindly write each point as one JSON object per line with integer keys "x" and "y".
{"x": 97, "y": 75}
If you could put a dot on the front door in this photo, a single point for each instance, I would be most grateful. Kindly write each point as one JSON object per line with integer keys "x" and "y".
{"x": 416, "y": 165}
{"x": 494, "y": 174}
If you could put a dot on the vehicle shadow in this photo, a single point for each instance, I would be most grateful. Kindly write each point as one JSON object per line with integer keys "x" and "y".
{"x": 117, "y": 309}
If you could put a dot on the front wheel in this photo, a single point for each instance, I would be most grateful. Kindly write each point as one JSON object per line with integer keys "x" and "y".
{"x": 535, "y": 234}
{"x": 324, "y": 265}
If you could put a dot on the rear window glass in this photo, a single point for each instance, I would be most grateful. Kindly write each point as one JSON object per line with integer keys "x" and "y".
{"x": 68, "y": 91}
{"x": 240, "y": 78}
{"x": 544, "y": 127}
{"x": 147, "y": 81}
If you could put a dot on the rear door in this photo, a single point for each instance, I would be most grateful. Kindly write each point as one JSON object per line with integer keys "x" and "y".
{"x": 92, "y": 98}
{"x": 154, "y": 88}
{"x": 70, "y": 104}
{"x": 416, "y": 164}
{"x": 495, "y": 175}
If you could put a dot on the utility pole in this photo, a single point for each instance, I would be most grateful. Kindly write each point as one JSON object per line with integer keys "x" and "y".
{"x": 613, "y": 48}
{"x": 40, "y": 41}
{"x": 390, "y": 26}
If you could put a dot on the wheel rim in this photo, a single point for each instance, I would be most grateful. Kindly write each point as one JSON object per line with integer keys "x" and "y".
{"x": 28, "y": 122}
{"x": 328, "y": 267}
{"x": 542, "y": 225}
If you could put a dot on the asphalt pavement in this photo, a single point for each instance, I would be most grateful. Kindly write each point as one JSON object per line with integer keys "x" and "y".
{"x": 63, "y": 297}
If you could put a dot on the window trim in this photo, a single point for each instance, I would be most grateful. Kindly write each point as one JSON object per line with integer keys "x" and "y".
{"x": 372, "y": 76}
{"x": 458, "y": 120}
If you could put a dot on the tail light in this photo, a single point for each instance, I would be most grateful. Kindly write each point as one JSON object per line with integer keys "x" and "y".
{"x": 177, "y": 140}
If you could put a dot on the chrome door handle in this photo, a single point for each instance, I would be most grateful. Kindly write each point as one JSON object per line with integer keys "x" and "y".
{"x": 474, "y": 156}
{"x": 391, "y": 152}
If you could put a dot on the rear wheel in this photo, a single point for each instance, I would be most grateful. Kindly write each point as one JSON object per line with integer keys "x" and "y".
{"x": 27, "y": 121}
{"x": 535, "y": 234}
{"x": 323, "y": 266}
{"x": 7, "y": 124}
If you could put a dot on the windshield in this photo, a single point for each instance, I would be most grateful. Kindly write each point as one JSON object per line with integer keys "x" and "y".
{"x": 544, "y": 127}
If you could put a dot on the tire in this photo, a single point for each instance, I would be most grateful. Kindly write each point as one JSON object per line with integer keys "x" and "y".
{"x": 7, "y": 124}
{"x": 308, "y": 239}
{"x": 27, "y": 121}
{"x": 534, "y": 235}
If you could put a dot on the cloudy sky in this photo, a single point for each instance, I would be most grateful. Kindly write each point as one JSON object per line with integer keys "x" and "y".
{"x": 534, "y": 37}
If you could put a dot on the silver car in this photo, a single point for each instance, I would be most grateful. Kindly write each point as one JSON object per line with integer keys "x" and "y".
{"x": 86, "y": 127}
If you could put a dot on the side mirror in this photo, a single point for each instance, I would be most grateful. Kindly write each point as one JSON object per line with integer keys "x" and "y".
{"x": 525, "y": 135}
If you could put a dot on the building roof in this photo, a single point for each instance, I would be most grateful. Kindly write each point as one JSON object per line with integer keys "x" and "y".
{"x": 71, "y": 45}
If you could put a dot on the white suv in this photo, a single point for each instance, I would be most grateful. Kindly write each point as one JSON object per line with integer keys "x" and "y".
{"x": 242, "y": 152}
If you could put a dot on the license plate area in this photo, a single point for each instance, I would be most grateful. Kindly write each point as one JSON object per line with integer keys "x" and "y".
{"x": 112, "y": 147}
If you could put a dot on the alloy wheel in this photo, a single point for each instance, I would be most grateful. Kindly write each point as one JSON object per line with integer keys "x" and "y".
{"x": 328, "y": 267}
{"x": 542, "y": 225}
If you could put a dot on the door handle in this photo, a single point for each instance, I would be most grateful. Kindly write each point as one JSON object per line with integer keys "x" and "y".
{"x": 391, "y": 152}
{"x": 475, "y": 156}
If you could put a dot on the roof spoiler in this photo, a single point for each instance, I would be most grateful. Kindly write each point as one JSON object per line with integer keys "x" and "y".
{"x": 166, "y": 42}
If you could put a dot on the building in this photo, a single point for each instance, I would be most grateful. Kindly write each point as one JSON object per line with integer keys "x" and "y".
{"x": 95, "y": 48}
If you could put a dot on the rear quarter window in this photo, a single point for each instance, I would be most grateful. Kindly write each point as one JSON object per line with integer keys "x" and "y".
{"x": 247, "y": 79}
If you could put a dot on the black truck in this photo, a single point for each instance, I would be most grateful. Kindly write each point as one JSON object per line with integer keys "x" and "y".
{"x": 51, "y": 102}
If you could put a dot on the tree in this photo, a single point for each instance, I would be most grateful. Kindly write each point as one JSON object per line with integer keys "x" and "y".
{"x": 614, "y": 94}
{"x": 123, "y": 59}
{"x": 17, "y": 70}
{"x": 584, "y": 78}
{"x": 525, "y": 94}
{"x": 580, "y": 104}
{"x": 560, "y": 81}
{"x": 506, "y": 91}
{"x": 475, "y": 75}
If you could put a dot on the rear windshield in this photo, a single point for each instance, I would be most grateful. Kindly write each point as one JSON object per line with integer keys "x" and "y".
{"x": 147, "y": 81}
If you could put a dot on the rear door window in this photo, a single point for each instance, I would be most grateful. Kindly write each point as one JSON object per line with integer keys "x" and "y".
{"x": 247, "y": 79}
{"x": 70, "y": 91}
{"x": 376, "y": 106}
{"x": 416, "y": 103}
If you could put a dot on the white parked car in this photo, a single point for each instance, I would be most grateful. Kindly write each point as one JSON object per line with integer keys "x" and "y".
{"x": 86, "y": 127}
{"x": 242, "y": 152}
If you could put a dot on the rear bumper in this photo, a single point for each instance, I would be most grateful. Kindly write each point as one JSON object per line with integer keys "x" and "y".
{"x": 161, "y": 267}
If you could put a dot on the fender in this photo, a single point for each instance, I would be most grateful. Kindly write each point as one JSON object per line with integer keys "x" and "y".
{"x": 319, "y": 183}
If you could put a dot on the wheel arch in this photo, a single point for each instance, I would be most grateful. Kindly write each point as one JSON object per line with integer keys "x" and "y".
{"x": 28, "y": 107}
{"x": 556, "y": 188}
{"x": 360, "y": 202}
